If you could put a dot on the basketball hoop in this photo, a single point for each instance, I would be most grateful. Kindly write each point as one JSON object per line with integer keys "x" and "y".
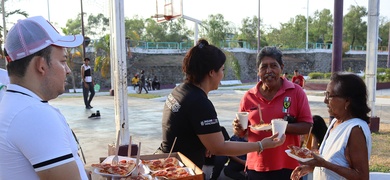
{"x": 168, "y": 18}
{"x": 168, "y": 10}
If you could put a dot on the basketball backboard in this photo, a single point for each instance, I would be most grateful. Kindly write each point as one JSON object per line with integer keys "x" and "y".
{"x": 167, "y": 10}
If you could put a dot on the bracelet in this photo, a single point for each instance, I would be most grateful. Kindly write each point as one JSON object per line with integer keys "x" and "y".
{"x": 260, "y": 146}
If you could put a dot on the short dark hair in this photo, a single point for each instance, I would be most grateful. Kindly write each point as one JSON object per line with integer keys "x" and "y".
{"x": 269, "y": 51}
{"x": 87, "y": 59}
{"x": 352, "y": 87}
{"x": 200, "y": 60}
{"x": 18, "y": 67}
{"x": 296, "y": 70}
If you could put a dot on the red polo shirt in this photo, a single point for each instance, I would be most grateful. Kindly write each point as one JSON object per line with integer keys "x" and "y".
{"x": 290, "y": 99}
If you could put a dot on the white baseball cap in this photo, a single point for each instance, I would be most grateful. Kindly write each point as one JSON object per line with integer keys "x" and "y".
{"x": 33, "y": 34}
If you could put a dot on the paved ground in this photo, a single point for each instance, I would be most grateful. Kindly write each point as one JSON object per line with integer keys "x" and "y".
{"x": 145, "y": 116}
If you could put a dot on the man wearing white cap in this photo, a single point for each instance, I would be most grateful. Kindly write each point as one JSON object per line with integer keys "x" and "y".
{"x": 35, "y": 139}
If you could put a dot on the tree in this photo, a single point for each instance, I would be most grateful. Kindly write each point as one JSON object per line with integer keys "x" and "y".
{"x": 384, "y": 33}
{"x": 102, "y": 57}
{"x": 321, "y": 29}
{"x": 216, "y": 29}
{"x": 291, "y": 34}
{"x": 248, "y": 32}
{"x": 355, "y": 29}
{"x": 134, "y": 29}
{"x": 155, "y": 32}
{"x": 177, "y": 31}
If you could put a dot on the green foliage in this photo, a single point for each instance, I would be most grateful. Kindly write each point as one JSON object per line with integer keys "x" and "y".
{"x": 355, "y": 29}
{"x": 216, "y": 29}
{"x": 379, "y": 168}
{"x": 316, "y": 75}
{"x": 232, "y": 62}
{"x": 327, "y": 75}
{"x": 102, "y": 58}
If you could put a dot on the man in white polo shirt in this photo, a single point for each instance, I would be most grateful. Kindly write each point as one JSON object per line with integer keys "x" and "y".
{"x": 35, "y": 139}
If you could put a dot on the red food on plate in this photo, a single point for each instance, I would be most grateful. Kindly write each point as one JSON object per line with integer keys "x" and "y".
{"x": 300, "y": 152}
{"x": 158, "y": 164}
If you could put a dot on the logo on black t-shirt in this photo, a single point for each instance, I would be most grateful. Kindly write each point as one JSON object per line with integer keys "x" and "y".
{"x": 172, "y": 103}
{"x": 209, "y": 122}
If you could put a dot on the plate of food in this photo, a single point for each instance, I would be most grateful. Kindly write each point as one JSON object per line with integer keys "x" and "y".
{"x": 300, "y": 154}
{"x": 125, "y": 167}
{"x": 261, "y": 127}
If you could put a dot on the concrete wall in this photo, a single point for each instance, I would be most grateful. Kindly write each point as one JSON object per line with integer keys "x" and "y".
{"x": 167, "y": 67}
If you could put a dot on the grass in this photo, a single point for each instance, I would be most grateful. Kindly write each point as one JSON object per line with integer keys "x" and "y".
{"x": 144, "y": 96}
{"x": 380, "y": 156}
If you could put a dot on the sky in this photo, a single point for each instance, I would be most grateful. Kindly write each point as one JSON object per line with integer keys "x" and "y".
{"x": 272, "y": 12}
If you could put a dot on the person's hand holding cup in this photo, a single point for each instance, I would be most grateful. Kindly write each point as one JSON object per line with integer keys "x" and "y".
{"x": 279, "y": 125}
{"x": 243, "y": 119}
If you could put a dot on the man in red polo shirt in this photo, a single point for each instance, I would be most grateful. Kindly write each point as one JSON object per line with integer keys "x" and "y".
{"x": 298, "y": 79}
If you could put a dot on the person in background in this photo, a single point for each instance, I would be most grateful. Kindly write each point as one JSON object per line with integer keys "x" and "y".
{"x": 298, "y": 79}
{"x": 236, "y": 164}
{"x": 36, "y": 141}
{"x": 317, "y": 133}
{"x": 346, "y": 149}
{"x": 285, "y": 76}
{"x": 155, "y": 83}
{"x": 142, "y": 82}
{"x": 135, "y": 81}
{"x": 279, "y": 98}
{"x": 190, "y": 117}
{"x": 88, "y": 83}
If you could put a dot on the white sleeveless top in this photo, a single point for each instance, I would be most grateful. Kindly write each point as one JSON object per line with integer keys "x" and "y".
{"x": 333, "y": 147}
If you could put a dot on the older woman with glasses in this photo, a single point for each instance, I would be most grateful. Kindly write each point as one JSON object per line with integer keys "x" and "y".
{"x": 346, "y": 149}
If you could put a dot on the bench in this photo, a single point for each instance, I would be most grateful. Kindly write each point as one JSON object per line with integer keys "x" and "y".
{"x": 231, "y": 82}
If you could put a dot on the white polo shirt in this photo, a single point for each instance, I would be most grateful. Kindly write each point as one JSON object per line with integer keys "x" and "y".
{"x": 34, "y": 136}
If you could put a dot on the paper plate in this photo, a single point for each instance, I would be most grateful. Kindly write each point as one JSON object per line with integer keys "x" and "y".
{"x": 288, "y": 151}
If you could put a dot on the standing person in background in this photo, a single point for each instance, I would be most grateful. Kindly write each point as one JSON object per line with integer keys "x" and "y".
{"x": 278, "y": 98}
{"x": 35, "y": 139}
{"x": 298, "y": 79}
{"x": 88, "y": 83}
{"x": 142, "y": 82}
{"x": 190, "y": 117}
{"x": 155, "y": 83}
{"x": 346, "y": 149}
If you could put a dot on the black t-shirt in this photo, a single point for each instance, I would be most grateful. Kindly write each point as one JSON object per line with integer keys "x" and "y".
{"x": 187, "y": 113}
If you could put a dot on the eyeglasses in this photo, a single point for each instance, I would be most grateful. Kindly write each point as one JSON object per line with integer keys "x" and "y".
{"x": 328, "y": 96}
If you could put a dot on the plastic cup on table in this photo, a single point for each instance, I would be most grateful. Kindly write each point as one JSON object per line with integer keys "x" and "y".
{"x": 243, "y": 118}
{"x": 279, "y": 125}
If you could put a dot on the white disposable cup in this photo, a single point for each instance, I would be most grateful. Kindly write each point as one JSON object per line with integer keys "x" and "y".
{"x": 243, "y": 118}
{"x": 279, "y": 125}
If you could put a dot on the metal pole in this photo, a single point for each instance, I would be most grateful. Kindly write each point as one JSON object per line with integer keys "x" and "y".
{"x": 48, "y": 10}
{"x": 307, "y": 25}
{"x": 258, "y": 29}
{"x": 337, "y": 36}
{"x": 82, "y": 27}
{"x": 372, "y": 48}
{"x": 118, "y": 56}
